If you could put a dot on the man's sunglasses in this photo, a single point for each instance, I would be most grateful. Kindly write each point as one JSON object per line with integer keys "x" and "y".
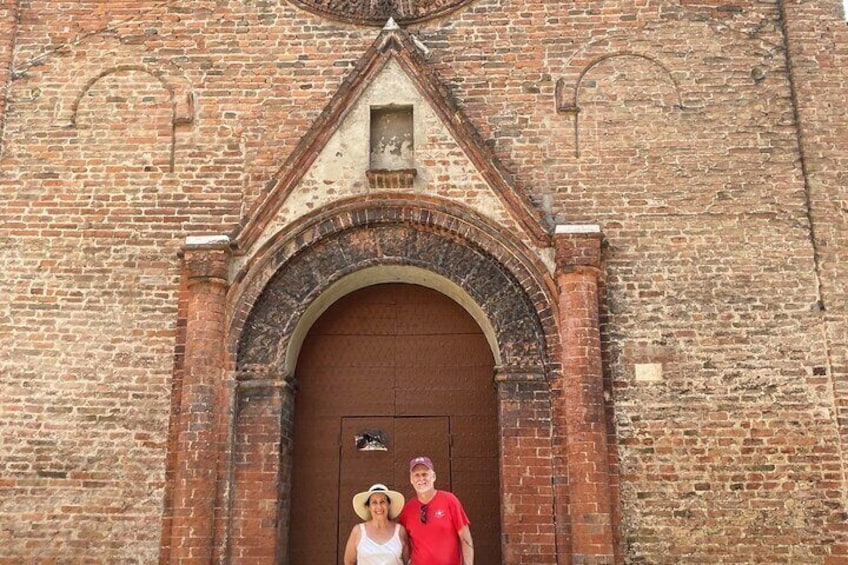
{"x": 423, "y": 516}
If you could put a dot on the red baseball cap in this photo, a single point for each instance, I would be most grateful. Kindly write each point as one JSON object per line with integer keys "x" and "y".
{"x": 420, "y": 461}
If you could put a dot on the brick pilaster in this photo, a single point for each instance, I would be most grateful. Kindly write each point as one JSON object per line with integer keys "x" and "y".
{"x": 206, "y": 261}
{"x": 528, "y": 532}
{"x": 587, "y": 464}
{"x": 261, "y": 469}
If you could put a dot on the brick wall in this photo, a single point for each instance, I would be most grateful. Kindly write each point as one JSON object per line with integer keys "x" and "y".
{"x": 817, "y": 40}
{"x": 8, "y": 30}
{"x": 672, "y": 125}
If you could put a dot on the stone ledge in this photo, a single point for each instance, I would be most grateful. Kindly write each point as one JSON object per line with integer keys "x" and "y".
{"x": 401, "y": 178}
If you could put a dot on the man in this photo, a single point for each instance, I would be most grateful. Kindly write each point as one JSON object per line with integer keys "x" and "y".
{"x": 435, "y": 521}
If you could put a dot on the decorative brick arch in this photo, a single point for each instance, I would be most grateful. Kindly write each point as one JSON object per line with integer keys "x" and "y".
{"x": 175, "y": 89}
{"x": 233, "y": 452}
{"x": 368, "y": 12}
{"x": 510, "y": 289}
{"x": 178, "y": 89}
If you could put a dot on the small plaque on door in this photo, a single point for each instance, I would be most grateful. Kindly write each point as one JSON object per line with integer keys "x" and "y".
{"x": 371, "y": 440}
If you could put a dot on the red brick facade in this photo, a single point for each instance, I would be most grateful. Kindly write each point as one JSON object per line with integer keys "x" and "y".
{"x": 643, "y": 203}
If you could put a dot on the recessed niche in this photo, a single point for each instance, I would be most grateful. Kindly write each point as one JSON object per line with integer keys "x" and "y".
{"x": 392, "y": 141}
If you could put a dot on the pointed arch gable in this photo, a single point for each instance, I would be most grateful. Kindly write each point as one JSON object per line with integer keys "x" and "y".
{"x": 391, "y": 45}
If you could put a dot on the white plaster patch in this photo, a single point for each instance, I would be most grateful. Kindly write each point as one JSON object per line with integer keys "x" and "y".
{"x": 578, "y": 228}
{"x": 648, "y": 372}
{"x": 206, "y": 240}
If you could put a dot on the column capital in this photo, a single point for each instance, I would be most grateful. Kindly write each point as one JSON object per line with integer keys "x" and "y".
{"x": 510, "y": 374}
{"x": 207, "y": 258}
{"x": 265, "y": 377}
{"x": 577, "y": 246}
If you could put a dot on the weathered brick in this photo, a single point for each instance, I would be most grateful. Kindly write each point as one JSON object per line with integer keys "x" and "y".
{"x": 706, "y": 138}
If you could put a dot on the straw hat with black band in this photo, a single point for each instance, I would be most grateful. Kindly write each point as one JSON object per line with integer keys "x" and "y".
{"x": 360, "y": 501}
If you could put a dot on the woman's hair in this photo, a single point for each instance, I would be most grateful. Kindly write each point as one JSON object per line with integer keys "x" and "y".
{"x": 388, "y": 498}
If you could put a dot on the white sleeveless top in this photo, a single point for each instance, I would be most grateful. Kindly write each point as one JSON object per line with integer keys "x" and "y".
{"x": 369, "y": 552}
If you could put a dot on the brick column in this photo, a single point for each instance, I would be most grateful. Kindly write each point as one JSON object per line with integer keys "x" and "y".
{"x": 205, "y": 261}
{"x": 578, "y": 250}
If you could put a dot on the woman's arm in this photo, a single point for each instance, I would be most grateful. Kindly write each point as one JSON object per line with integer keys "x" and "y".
{"x": 350, "y": 548}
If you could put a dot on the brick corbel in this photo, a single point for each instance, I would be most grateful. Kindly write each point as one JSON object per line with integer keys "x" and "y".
{"x": 205, "y": 263}
{"x": 578, "y": 261}
{"x": 508, "y": 375}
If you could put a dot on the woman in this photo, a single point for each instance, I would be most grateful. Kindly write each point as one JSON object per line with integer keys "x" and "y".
{"x": 378, "y": 540}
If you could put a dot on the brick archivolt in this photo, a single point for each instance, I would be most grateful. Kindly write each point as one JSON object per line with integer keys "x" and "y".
{"x": 499, "y": 282}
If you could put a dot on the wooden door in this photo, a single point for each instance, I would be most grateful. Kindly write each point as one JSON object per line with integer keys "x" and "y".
{"x": 410, "y": 362}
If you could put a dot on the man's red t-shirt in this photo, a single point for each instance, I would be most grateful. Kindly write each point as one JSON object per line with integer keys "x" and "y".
{"x": 437, "y": 541}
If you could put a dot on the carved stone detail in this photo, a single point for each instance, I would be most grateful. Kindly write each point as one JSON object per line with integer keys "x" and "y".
{"x": 377, "y": 12}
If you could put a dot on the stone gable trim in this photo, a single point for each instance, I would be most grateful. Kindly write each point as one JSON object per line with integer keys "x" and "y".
{"x": 392, "y": 44}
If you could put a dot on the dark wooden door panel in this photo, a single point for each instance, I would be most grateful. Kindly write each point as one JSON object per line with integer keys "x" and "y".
{"x": 422, "y": 436}
{"x": 359, "y": 469}
{"x": 408, "y": 361}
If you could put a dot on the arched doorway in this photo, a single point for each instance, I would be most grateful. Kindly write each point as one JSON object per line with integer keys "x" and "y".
{"x": 409, "y": 367}
{"x": 299, "y": 276}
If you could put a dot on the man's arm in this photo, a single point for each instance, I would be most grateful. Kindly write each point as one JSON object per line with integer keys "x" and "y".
{"x": 467, "y": 545}
{"x": 404, "y": 540}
